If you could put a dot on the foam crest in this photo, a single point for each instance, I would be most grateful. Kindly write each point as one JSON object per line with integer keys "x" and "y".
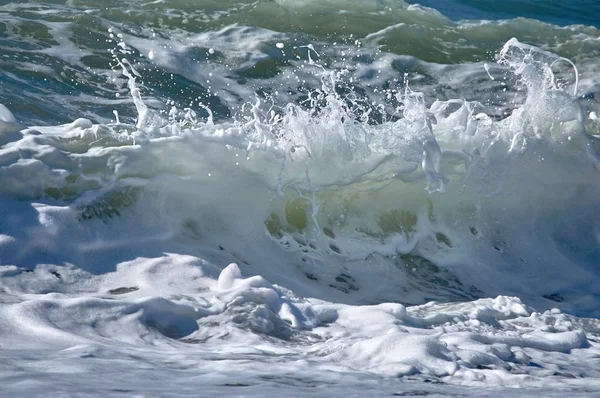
{"x": 438, "y": 189}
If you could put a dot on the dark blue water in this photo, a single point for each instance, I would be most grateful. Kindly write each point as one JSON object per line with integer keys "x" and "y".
{"x": 558, "y": 12}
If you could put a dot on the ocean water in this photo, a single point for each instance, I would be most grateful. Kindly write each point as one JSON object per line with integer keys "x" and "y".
{"x": 324, "y": 198}
{"x": 576, "y": 12}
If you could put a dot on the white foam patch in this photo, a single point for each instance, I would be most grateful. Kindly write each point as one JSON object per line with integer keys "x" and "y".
{"x": 487, "y": 341}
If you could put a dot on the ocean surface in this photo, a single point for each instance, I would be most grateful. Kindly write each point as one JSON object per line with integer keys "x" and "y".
{"x": 299, "y": 198}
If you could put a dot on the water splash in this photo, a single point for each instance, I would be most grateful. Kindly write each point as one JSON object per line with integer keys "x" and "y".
{"x": 423, "y": 184}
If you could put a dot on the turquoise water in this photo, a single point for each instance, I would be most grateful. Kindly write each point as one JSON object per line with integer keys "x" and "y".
{"x": 567, "y": 12}
{"x": 57, "y": 61}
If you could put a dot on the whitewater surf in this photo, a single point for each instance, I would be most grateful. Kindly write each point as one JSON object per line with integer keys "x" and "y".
{"x": 298, "y": 198}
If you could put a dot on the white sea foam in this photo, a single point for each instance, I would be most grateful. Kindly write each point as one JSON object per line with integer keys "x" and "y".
{"x": 116, "y": 238}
